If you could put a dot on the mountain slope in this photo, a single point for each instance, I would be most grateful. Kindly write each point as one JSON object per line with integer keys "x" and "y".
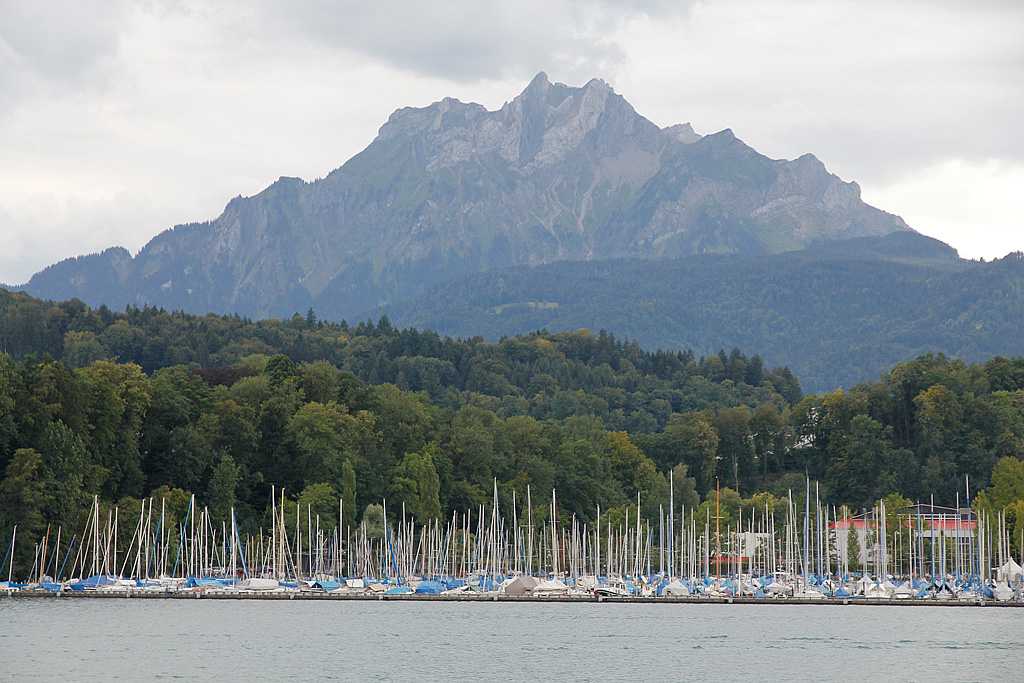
{"x": 836, "y": 315}
{"x": 559, "y": 173}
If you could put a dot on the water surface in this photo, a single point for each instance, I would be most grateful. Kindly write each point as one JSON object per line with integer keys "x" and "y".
{"x": 228, "y": 640}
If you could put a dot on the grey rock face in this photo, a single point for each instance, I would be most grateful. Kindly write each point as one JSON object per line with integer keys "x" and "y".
{"x": 558, "y": 173}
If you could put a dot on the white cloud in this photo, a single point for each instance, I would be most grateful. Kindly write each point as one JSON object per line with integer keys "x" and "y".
{"x": 897, "y": 96}
{"x": 866, "y": 82}
{"x": 976, "y": 207}
{"x": 46, "y": 228}
{"x": 62, "y": 40}
{"x": 485, "y": 39}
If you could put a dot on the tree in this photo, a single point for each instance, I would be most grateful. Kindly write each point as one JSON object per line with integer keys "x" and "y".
{"x": 429, "y": 490}
{"x": 940, "y": 417}
{"x": 118, "y": 398}
{"x": 584, "y": 480}
{"x": 23, "y": 500}
{"x": 176, "y": 399}
{"x": 724, "y": 503}
{"x": 1008, "y": 416}
{"x": 8, "y": 428}
{"x": 348, "y": 493}
{"x": 67, "y": 473}
{"x": 855, "y": 470}
{"x": 191, "y": 458}
{"x": 416, "y": 484}
{"x": 530, "y": 450}
{"x": 635, "y": 472}
{"x": 322, "y": 382}
{"x": 82, "y": 349}
{"x": 275, "y": 456}
{"x": 220, "y": 494}
{"x": 317, "y": 434}
{"x": 121, "y": 341}
{"x": 897, "y": 512}
{"x": 232, "y": 431}
{"x": 853, "y": 549}
{"x": 373, "y": 518}
{"x": 403, "y": 423}
{"x": 279, "y": 368}
{"x": 735, "y": 443}
{"x": 472, "y": 444}
{"x": 684, "y": 488}
{"x": 319, "y": 501}
{"x": 44, "y": 392}
{"x": 1015, "y": 525}
{"x": 1007, "y": 483}
{"x": 702, "y": 447}
{"x": 767, "y": 429}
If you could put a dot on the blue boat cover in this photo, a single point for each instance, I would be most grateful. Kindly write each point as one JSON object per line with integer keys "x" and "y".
{"x": 202, "y": 582}
{"x": 326, "y": 585}
{"x": 431, "y": 587}
{"x": 93, "y": 582}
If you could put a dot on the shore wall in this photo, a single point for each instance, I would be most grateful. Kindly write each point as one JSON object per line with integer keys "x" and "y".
{"x": 314, "y": 595}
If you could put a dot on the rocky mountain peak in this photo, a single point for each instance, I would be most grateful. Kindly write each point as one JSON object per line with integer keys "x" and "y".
{"x": 557, "y": 173}
{"x": 684, "y": 133}
{"x": 540, "y": 127}
{"x": 540, "y": 84}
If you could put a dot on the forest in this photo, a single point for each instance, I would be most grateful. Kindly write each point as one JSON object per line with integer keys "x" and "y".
{"x": 835, "y": 316}
{"x": 127, "y": 406}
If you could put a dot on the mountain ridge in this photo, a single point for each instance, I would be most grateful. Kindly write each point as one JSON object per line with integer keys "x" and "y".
{"x": 836, "y": 313}
{"x": 558, "y": 173}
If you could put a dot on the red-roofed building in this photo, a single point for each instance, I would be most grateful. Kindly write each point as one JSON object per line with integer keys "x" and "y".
{"x": 925, "y": 521}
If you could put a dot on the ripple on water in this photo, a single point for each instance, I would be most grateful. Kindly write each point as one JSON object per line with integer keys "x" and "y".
{"x": 93, "y": 640}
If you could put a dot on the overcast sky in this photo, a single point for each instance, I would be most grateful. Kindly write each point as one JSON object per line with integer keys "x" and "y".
{"x": 121, "y": 118}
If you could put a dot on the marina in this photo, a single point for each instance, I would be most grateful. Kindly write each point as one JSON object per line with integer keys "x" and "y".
{"x": 242, "y": 594}
{"x": 927, "y": 556}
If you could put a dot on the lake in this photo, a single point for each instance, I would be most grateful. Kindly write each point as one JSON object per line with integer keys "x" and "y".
{"x": 229, "y": 640}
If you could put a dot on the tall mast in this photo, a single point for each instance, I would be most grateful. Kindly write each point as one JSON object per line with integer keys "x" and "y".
{"x": 807, "y": 502}
{"x": 529, "y": 526}
{"x": 671, "y": 520}
{"x": 718, "y": 538}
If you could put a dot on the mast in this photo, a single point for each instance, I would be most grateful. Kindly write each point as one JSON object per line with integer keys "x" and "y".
{"x": 273, "y": 531}
{"x": 671, "y": 520}
{"x": 10, "y": 570}
{"x": 718, "y": 538}
{"x": 529, "y": 526}
{"x": 970, "y": 534}
{"x": 807, "y": 502}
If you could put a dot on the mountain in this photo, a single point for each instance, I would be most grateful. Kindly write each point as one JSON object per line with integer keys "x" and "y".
{"x": 836, "y": 314}
{"x": 557, "y": 174}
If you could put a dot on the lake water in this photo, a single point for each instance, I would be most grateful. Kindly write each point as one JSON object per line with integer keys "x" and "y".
{"x": 229, "y": 640}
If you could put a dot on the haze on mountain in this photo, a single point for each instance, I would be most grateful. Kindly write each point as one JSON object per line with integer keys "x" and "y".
{"x": 558, "y": 174}
{"x": 837, "y": 313}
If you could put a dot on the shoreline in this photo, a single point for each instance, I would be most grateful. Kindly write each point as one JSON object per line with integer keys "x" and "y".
{"x": 413, "y": 597}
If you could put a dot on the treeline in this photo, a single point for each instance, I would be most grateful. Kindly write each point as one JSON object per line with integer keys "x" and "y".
{"x": 147, "y": 403}
{"x": 542, "y": 375}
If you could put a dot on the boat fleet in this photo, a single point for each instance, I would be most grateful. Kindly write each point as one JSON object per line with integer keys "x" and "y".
{"x": 484, "y": 554}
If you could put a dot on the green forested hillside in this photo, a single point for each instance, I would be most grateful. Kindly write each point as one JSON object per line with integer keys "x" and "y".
{"x": 835, "y": 317}
{"x": 145, "y": 403}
